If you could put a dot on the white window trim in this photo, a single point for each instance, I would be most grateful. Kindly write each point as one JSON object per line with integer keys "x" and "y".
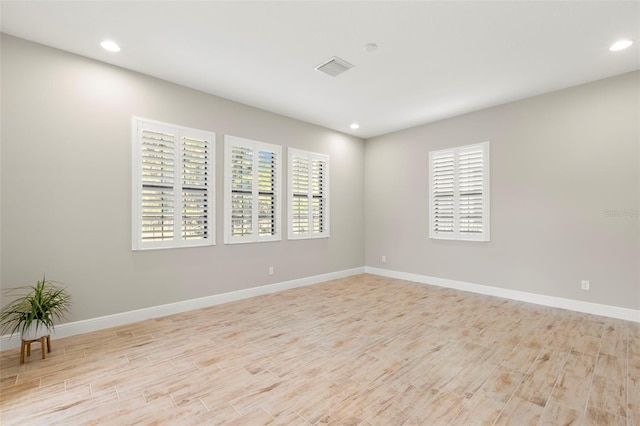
{"x": 457, "y": 234}
{"x": 138, "y": 125}
{"x": 311, "y": 156}
{"x": 231, "y": 141}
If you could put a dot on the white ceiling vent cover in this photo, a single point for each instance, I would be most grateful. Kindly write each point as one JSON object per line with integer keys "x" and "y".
{"x": 334, "y": 66}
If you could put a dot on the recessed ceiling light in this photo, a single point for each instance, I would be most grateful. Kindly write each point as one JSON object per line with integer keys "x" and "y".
{"x": 620, "y": 44}
{"x": 355, "y": 126}
{"x": 110, "y": 46}
{"x": 370, "y": 47}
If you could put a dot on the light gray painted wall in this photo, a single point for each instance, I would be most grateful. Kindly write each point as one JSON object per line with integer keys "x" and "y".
{"x": 66, "y": 186}
{"x": 559, "y": 162}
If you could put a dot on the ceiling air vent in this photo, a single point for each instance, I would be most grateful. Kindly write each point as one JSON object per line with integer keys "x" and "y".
{"x": 334, "y": 66}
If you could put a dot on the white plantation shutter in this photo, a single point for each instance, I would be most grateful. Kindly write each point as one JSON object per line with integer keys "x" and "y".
{"x": 173, "y": 184}
{"x": 471, "y": 191}
{"x": 459, "y": 193}
{"x": 195, "y": 188}
{"x": 267, "y": 164}
{"x": 241, "y": 169}
{"x": 308, "y": 194}
{"x": 252, "y": 195}
{"x": 157, "y": 213}
{"x": 298, "y": 195}
{"x": 442, "y": 196}
{"x": 319, "y": 196}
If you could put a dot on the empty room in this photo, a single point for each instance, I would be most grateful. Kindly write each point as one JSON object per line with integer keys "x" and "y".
{"x": 310, "y": 213}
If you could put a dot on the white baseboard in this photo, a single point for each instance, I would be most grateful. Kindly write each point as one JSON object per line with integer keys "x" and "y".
{"x": 538, "y": 299}
{"x": 93, "y": 324}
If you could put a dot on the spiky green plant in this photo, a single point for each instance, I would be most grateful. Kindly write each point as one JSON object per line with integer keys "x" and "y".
{"x": 36, "y": 305}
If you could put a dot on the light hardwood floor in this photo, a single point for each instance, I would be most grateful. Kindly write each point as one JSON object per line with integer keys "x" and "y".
{"x": 360, "y": 350}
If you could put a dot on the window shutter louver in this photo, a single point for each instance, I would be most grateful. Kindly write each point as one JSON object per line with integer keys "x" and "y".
{"x": 251, "y": 190}
{"x": 443, "y": 193}
{"x": 318, "y": 195}
{"x": 195, "y": 188}
{"x": 300, "y": 209}
{"x": 158, "y": 200}
{"x": 267, "y": 162}
{"x": 459, "y": 193}
{"x": 241, "y": 191}
{"x": 471, "y": 190}
{"x": 308, "y": 194}
{"x": 172, "y": 184}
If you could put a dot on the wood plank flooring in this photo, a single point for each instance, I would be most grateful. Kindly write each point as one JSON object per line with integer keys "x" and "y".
{"x": 361, "y": 350}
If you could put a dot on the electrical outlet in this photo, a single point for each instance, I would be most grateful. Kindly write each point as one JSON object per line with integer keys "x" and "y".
{"x": 270, "y": 270}
{"x": 585, "y": 285}
{"x": 384, "y": 259}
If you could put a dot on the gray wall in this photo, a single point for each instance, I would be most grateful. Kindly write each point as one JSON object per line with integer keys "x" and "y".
{"x": 559, "y": 162}
{"x": 563, "y": 165}
{"x": 66, "y": 186}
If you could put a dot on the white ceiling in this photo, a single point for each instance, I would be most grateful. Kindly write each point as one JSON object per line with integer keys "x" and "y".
{"x": 435, "y": 59}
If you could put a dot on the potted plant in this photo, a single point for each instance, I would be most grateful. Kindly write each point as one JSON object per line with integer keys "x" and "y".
{"x": 33, "y": 311}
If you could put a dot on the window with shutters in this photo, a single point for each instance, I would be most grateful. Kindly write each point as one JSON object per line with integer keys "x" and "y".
{"x": 308, "y": 195}
{"x": 252, "y": 191}
{"x": 459, "y": 193}
{"x": 173, "y": 184}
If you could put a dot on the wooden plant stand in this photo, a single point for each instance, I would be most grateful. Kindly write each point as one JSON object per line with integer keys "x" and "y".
{"x": 44, "y": 340}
